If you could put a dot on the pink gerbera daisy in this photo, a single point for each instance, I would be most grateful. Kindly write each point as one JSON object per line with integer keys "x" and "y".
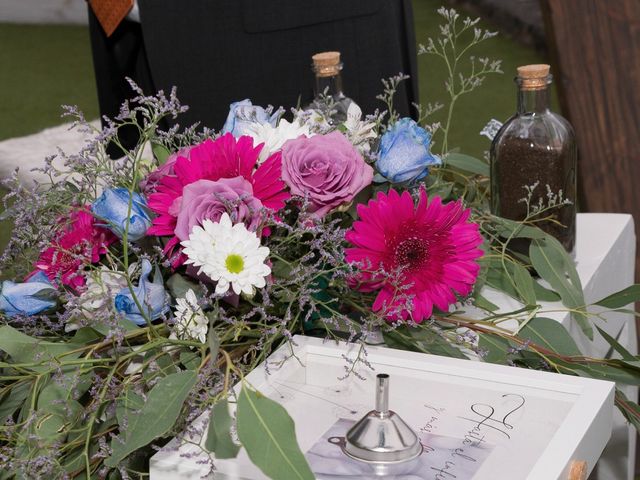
{"x": 213, "y": 160}
{"x": 432, "y": 245}
{"x": 80, "y": 243}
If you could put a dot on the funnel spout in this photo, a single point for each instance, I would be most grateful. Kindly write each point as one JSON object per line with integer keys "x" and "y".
{"x": 382, "y": 393}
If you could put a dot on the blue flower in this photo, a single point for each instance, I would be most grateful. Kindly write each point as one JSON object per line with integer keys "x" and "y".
{"x": 404, "y": 153}
{"x": 113, "y": 207}
{"x": 151, "y": 296}
{"x": 243, "y": 114}
{"x": 36, "y": 295}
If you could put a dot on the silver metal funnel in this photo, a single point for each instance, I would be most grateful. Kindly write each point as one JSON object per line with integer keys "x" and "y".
{"x": 381, "y": 436}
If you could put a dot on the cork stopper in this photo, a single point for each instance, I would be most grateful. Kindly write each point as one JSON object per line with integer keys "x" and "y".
{"x": 533, "y": 77}
{"x": 326, "y": 64}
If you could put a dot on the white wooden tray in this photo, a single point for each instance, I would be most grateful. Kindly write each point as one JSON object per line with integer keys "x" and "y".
{"x": 528, "y": 424}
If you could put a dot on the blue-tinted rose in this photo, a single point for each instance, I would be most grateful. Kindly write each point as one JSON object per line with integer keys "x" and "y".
{"x": 243, "y": 114}
{"x": 113, "y": 208}
{"x": 151, "y": 296}
{"x": 404, "y": 153}
{"x": 36, "y": 295}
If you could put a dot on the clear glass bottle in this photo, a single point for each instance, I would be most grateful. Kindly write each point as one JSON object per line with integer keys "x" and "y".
{"x": 328, "y": 95}
{"x": 535, "y": 147}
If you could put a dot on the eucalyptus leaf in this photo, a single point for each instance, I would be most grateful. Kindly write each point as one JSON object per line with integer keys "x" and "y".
{"x": 496, "y": 348}
{"x": 14, "y": 399}
{"x": 609, "y": 373}
{"x": 25, "y": 349}
{"x": 86, "y": 335}
{"x": 622, "y": 298}
{"x": 481, "y": 302}
{"x": 214, "y": 343}
{"x": 178, "y": 285}
{"x": 56, "y": 398}
{"x": 219, "y": 438}
{"x": 503, "y": 278}
{"x": 191, "y": 360}
{"x": 156, "y": 417}
{"x": 441, "y": 189}
{"x": 128, "y": 405}
{"x": 629, "y": 409}
{"x": 553, "y": 264}
{"x": 281, "y": 269}
{"x": 467, "y": 163}
{"x": 524, "y": 284}
{"x": 544, "y": 294}
{"x": 551, "y": 335}
{"x": 511, "y": 229}
{"x": 624, "y": 353}
{"x": 160, "y": 152}
{"x": 420, "y": 339}
{"x": 268, "y": 434}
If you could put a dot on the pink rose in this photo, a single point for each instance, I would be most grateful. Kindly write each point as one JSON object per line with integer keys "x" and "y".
{"x": 326, "y": 169}
{"x": 206, "y": 199}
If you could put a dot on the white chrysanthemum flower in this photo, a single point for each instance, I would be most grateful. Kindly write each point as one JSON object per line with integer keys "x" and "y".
{"x": 275, "y": 137}
{"x": 359, "y": 132}
{"x": 191, "y": 322}
{"x": 201, "y": 243}
{"x": 235, "y": 259}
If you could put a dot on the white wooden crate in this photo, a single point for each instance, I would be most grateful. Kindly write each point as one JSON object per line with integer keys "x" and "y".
{"x": 563, "y": 418}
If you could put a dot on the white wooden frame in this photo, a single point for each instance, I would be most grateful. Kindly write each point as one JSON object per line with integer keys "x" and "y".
{"x": 581, "y": 436}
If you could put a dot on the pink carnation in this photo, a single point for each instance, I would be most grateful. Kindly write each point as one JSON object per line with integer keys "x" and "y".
{"x": 432, "y": 246}
{"x": 80, "y": 243}
{"x": 213, "y": 160}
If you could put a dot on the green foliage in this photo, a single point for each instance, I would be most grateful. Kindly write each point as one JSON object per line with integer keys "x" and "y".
{"x": 160, "y": 152}
{"x": 467, "y": 163}
{"x": 553, "y": 263}
{"x": 268, "y": 434}
{"x": 550, "y": 334}
{"x": 422, "y": 339}
{"x": 219, "y": 438}
{"x": 622, "y": 298}
{"x": 157, "y": 416}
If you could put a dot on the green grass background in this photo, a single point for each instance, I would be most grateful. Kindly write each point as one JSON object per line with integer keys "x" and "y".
{"x": 45, "y": 66}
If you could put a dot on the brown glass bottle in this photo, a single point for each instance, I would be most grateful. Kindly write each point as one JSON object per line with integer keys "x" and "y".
{"x": 328, "y": 81}
{"x": 535, "y": 147}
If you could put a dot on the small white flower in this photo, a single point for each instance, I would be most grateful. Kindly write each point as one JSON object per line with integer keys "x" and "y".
{"x": 359, "y": 132}
{"x": 234, "y": 259}
{"x": 191, "y": 322}
{"x": 275, "y": 137}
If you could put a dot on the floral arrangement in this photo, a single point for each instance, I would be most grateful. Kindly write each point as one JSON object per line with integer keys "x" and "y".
{"x": 152, "y": 283}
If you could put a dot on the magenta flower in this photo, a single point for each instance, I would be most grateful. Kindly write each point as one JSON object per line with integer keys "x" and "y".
{"x": 325, "y": 169}
{"x": 434, "y": 247}
{"x": 148, "y": 184}
{"x": 80, "y": 243}
{"x": 223, "y": 158}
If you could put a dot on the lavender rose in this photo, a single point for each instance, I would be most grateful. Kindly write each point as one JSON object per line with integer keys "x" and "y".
{"x": 206, "y": 199}
{"x": 327, "y": 169}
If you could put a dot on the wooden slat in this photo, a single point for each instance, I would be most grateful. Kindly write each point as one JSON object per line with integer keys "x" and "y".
{"x": 595, "y": 49}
